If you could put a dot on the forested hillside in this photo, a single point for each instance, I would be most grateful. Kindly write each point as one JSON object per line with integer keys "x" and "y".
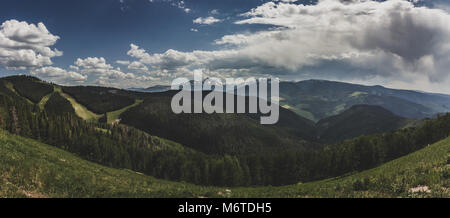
{"x": 425, "y": 173}
{"x": 241, "y": 152}
{"x": 31, "y": 169}
{"x": 211, "y": 133}
{"x": 29, "y": 87}
{"x": 58, "y": 105}
{"x": 98, "y": 99}
{"x": 35, "y": 170}
{"x": 359, "y": 120}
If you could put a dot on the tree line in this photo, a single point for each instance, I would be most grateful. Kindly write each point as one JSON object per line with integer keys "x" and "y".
{"x": 121, "y": 146}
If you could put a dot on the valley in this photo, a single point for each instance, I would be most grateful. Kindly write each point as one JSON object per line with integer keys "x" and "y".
{"x": 128, "y": 131}
{"x": 32, "y": 169}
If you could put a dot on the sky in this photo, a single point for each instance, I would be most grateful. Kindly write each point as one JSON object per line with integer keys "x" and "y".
{"x": 139, "y": 43}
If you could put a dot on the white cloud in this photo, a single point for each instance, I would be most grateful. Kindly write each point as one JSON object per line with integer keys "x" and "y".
{"x": 99, "y": 72}
{"x": 58, "y": 75}
{"x": 123, "y": 62}
{"x": 442, "y": 6}
{"x": 206, "y": 20}
{"x": 146, "y": 78}
{"x": 286, "y": 1}
{"x": 168, "y": 60}
{"x": 214, "y": 12}
{"x": 74, "y": 67}
{"x": 93, "y": 65}
{"x": 138, "y": 66}
{"x": 180, "y": 4}
{"x": 25, "y": 46}
{"x": 357, "y": 39}
{"x": 393, "y": 39}
{"x": 98, "y": 67}
{"x": 138, "y": 81}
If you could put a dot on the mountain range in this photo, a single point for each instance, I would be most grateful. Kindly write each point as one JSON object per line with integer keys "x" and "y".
{"x": 138, "y": 130}
{"x": 318, "y": 99}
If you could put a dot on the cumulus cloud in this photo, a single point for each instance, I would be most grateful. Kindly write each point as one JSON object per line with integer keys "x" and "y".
{"x": 137, "y": 82}
{"x": 356, "y": 39}
{"x": 99, "y": 72}
{"x": 214, "y": 12}
{"x": 93, "y": 63}
{"x": 97, "y": 66}
{"x": 346, "y": 39}
{"x": 146, "y": 78}
{"x": 123, "y": 62}
{"x": 138, "y": 66}
{"x": 74, "y": 67}
{"x": 58, "y": 75}
{"x": 289, "y": 1}
{"x": 168, "y": 60}
{"x": 25, "y": 46}
{"x": 206, "y": 20}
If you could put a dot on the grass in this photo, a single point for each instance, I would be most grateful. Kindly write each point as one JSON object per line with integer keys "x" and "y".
{"x": 44, "y": 100}
{"x": 32, "y": 169}
{"x": 114, "y": 115}
{"x": 357, "y": 93}
{"x": 80, "y": 110}
{"x": 10, "y": 86}
{"x": 298, "y": 110}
{"x": 338, "y": 109}
{"x": 426, "y": 169}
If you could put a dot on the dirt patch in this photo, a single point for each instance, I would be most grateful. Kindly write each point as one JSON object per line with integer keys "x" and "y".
{"x": 32, "y": 194}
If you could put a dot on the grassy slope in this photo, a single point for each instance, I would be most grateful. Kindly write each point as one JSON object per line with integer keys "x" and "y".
{"x": 32, "y": 169}
{"x": 427, "y": 167}
{"x": 80, "y": 110}
{"x": 44, "y": 100}
{"x": 10, "y": 86}
{"x": 114, "y": 115}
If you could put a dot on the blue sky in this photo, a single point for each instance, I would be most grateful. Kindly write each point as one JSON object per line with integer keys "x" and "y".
{"x": 106, "y": 27}
{"x": 139, "y": 43}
